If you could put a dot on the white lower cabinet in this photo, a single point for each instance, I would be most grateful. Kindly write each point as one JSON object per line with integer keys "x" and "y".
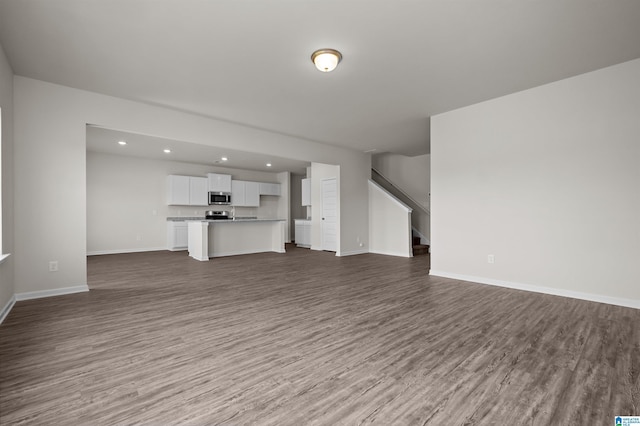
{"x": 303, "y": 232}
{"x": 177, "y": 235}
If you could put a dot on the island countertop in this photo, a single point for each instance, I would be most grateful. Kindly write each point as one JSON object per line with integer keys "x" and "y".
{"x": 235, "y": 220}
{"x": 238, "y": 219}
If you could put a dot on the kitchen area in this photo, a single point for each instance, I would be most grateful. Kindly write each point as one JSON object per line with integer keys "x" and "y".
{"x": 138, "y": 201}
{"x": 222, "y": 232}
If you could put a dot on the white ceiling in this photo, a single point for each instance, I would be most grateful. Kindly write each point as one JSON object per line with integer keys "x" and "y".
{"x": 104, "y": 140}
{"x": 248, "y": 61}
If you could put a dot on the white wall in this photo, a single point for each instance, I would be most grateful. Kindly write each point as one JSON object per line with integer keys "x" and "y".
{"x": 123, "y": 193}
{"x": 411, "y": 174}
{"x": 6, "y": 202}
{"x": 547, "y": 180}
{"x": 389, "y": 224}
{"x": 50, "y": 171}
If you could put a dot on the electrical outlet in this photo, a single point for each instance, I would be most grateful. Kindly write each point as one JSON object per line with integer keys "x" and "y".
{"x": 490, "y": 259}
{"x": 53, "y": 266}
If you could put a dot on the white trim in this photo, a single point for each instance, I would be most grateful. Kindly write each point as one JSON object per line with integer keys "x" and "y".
{"x": 7, "y": 308}
{"x": 122, "y": 251}
{"x": 390, "y": 253}
{"x": 352, "y": 252}
{"x": 4, "y": 257}
{"x": 49, "y": 293}
{"x": 629, "y": 303}
{"x": 390, "y": 196}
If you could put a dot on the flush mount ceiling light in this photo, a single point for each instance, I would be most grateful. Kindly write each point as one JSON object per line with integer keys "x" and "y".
{"x": 224, "y": 158}
{"x": 122, "y": 142}
{"x": 167, "y": 151}
{"x": 268, "y": 164}
{"x": 326, "y": 60}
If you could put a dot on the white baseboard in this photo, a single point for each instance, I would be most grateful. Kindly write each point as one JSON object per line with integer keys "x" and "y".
{"x": 629, "y": 303}
{"x": 391, "y": 253}
{"x": 352, "y": 252}
{"x": 122, "y": 251}
{"x": 54, "y": 292}
{"x": 7, "y": 308}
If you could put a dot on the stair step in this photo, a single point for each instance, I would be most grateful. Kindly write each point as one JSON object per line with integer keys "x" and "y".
{"x": 419, "y": 249}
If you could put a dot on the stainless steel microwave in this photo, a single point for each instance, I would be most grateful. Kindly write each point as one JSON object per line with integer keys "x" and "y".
{"x": 219, "y": 198}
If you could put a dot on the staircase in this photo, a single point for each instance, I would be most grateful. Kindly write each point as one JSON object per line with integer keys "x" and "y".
{"x": 420, "y": 216}
{"x": 419, "y": 249}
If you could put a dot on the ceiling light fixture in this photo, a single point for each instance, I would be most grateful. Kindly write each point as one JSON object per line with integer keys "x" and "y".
{"x": 268, "y": 164}
{"x": 224, "y": 158}
{"x": 167, "y": 151}
{"x": 326, "y": 60}
{"x": 122, "y": 142}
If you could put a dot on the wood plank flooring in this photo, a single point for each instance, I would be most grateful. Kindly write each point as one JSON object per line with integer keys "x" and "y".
{"x": 306, "y": 338}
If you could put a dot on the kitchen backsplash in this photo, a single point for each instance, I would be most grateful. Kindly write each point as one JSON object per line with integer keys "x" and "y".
{"x": 268, "y": 209}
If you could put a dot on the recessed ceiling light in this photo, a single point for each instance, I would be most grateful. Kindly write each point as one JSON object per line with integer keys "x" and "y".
{"x": 268, "y": 164}
{"x": 224, "y": 158}
{"x": 122, "y": 142}
{"x": 167, "y": 151}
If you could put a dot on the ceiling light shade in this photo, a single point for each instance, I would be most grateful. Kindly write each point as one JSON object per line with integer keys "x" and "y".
{"x": 326, "y": 60}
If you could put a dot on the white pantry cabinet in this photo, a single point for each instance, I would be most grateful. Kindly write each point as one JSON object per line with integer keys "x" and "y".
{"x": 245, "y": 193}
{"x": 186, "y": 191}
{"x": 302, "y": 232}
{"x": 306, "y": 192}
{"x": 177, "y": 236}
{"x": 267, "y": 188}
{"x": 219, "y": 182}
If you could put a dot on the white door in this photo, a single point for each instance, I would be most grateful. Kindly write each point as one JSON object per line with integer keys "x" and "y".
{"x": 329, "y": 215}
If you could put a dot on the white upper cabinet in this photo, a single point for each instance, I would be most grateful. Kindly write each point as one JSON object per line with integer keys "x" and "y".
{"x": 198, "y": 191}
{"x": 237, "y": 193}
{"x": 186, "y": 191}
{"x": 245, "y": 194}
{"x": 269, "y": 188}
{"x": 252, "y": 194}
{"x": 219, "y": 183}
{"x": 178, "y": 190}
{"x": 306, "y": 192}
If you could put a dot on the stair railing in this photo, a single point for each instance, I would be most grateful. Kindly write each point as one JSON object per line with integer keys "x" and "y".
{"x": 409, "y": 197}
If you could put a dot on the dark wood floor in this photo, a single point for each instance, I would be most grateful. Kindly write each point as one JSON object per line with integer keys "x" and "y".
{"x": 308, "y": 338}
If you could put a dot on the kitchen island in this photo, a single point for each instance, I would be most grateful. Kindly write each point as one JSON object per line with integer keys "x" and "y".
{"x": 215, "y": 238}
